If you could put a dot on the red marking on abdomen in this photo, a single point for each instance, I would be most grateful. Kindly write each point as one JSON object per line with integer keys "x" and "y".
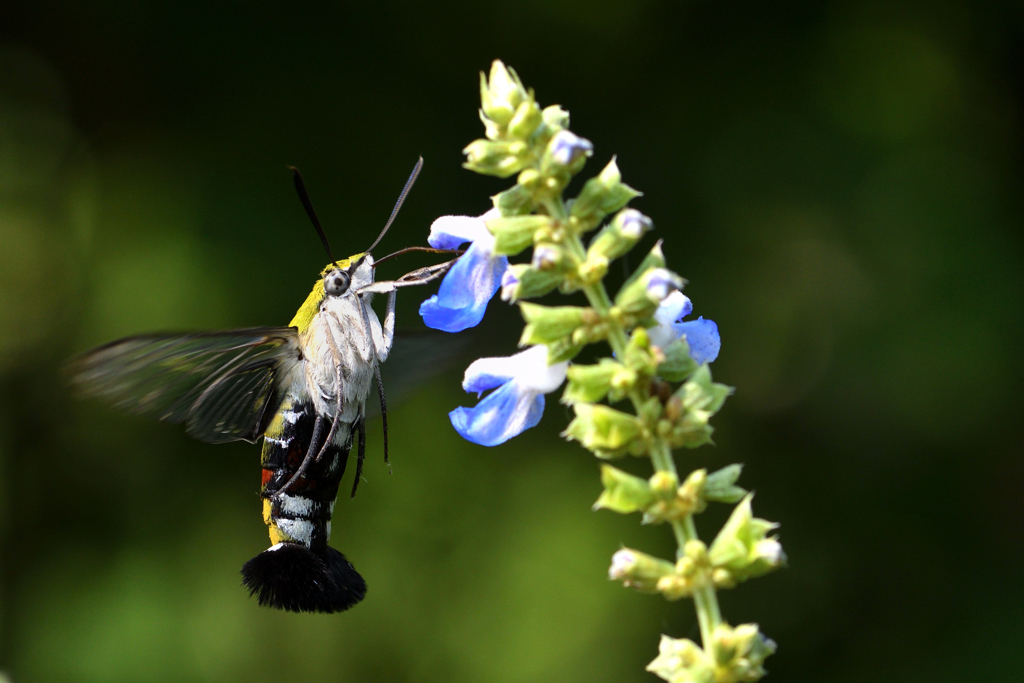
{"x": 267, "y": 474}
{"x": 296, "y": 454}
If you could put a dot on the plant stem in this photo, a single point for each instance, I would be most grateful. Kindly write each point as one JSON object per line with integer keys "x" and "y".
{"x": 704, "y": 598}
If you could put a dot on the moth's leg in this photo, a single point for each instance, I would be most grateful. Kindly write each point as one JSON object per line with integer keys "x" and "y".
{"x": 361, "y": 426}
{"x": 383, "y": 413}
{"x": 337, "y": 402}
{"x": 388, "y": 329}
{"x": 314, "y": 447}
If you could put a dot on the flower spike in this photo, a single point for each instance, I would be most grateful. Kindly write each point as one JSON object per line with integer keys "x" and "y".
{"x": 650, "y": 393}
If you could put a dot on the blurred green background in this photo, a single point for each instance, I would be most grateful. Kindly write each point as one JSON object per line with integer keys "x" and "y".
{"x": 839, "y": 181}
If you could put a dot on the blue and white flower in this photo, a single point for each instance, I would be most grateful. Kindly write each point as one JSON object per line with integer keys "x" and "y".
{"x": 462, "y": 298}
{"x": 661, "y": 283}
{"x": 633, "y": 224}
{"x": 701, "y": 335}
{"x": 566, "y": 147}
{"x": 517, "y": 402}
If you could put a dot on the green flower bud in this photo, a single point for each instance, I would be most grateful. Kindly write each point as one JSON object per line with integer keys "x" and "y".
{"x": 512, "y": 234}
{"x": 638, "y": 354}
{"x": 675, "y": 586}
{"x": 593, "y": 270}
{"x": 721, "y": 485}
{"x": 492, "y": 131}
{"x": 682, "y": 661}
{"x": 592, "y": 332}
{"x": 690, "y": 409}
{"x": 622, "y": 382}
{"x": 555, "y": 117}
{"x": 654, "y": 259}
{"x": 619, "y": 236}
{"x": 530, "y": 179}
{"x": 601, "y": 196}
{"x": 700, "y": 393}
{"x": 623, "y": 492}
{"x": 678, "y": 502}
{"x": 690, "y": 495}
{"x": 721, "y": 578}
{"x": 691, "y": 430}
{"x": 639, "y": 570}
{"x": 678, "y": 364}
{"x": 563, "y": 349}
{"x": 739, "y": 653}
{"x": 590, "y": 383}
{"x": 664, "y": 485}
{"x": 641, "y": 297}
{"x": 526, "y": 119}
{"x": 515, "y": 201}
{"x": 501, "y": 94}
{"x": 545, "y": 324}
{"x": 696, "y": 551}
{"x": 650, "y": 410}
{"x": 742, "y": 546}
{"x": 500, "y": 159}
{"x": 551, "y": 257}
{"x": 520, "y": 281}
{"x": 605, "y": 432}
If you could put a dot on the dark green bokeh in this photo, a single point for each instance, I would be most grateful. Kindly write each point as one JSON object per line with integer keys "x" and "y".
{"x": 840, "y": 183}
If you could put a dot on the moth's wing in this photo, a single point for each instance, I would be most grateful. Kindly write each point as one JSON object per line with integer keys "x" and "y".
{"x": 417, "y": 357}
{"x": 223, "y": 385}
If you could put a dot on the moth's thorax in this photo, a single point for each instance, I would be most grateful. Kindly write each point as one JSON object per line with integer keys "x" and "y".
{"x": 340, "y": 334}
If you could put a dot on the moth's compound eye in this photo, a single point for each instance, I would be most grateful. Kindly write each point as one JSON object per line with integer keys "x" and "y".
{"x": 336, "y": 282}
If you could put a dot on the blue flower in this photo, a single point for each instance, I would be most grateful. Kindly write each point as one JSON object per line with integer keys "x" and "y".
{"x": 520, "y": 382}
{"x": 462, "y": 298}
{"x": 701, "y": 335}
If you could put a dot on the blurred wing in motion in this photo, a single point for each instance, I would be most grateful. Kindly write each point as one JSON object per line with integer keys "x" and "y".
{"x": 224, "y": 386}
{"x": 416, "y": 358}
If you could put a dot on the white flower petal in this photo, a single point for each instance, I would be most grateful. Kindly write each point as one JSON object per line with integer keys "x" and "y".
{"x": 450, "y": 232}
{"x": 673, "y": 307}
{"x": 487, "y": 373}
{"x": 533, "y": 372}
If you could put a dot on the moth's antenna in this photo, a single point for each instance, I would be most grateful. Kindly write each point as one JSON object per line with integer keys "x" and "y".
{"x": 398, "y": 204}
{"x": 300, "y": 187}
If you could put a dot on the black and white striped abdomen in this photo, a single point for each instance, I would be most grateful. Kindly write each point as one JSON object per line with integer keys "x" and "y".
{"x": 303, "y": 513}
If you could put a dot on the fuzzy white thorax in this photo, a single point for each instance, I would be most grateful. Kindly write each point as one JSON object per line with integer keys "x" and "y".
{"x": 338, "y": 334}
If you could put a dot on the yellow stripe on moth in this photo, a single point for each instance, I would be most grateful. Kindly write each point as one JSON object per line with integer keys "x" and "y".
{"x": 266, "y": 513}
{"x": 276, "y": 427}
{"x": 278, "y": 536}
{"x": 311, "y": 306}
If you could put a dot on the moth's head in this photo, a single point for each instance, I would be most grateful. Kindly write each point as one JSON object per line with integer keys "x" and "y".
{"x": 339, "y": 278}
{"x": 348, "y": 274}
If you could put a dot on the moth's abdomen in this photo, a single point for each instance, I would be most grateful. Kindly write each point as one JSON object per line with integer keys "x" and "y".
{"x": 302, "y": 514}
{"x": 300, "y": 572}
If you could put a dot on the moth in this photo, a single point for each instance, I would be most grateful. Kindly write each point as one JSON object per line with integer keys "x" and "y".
{"x": 302, "y": 389}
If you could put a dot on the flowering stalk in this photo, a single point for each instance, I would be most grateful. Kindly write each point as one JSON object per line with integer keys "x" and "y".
{"x": 659, "y": 362}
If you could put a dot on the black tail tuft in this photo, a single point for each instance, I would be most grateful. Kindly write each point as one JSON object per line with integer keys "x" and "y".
{"x": 291, "y": 577}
